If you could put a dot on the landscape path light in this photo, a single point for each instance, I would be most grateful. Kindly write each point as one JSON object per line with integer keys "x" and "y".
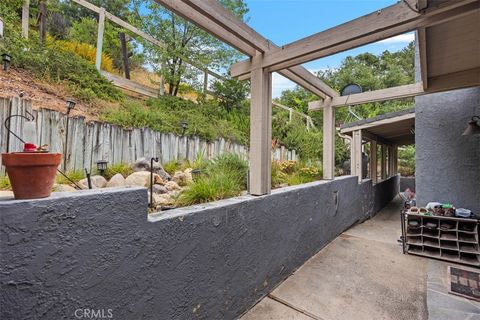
{"x": 70, "y": 105}
{"x": 102, "y": 166}
{"x": 6, "y": 59}
{"x": 184, "y": 126}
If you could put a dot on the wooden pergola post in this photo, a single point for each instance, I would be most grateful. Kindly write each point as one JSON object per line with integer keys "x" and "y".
{"x": 390, "y": 161}
{"x": 383, "y": 165}
{"x": 101, "y": 29}
{"x": 260, "y": 131}
{"x": 205, "y": 82}
{"x": 25, "y": 18}
{"x": 328, "y": 141}
{"x": 395, "y": 160}
{"x": 373, "y": 161}
{"x": 356, "y": 161}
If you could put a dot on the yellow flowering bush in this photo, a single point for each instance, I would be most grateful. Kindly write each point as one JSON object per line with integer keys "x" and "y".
{"x": 86, "y": 51}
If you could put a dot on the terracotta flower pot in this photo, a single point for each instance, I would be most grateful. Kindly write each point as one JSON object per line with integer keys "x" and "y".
{"x": 32, "y": 174}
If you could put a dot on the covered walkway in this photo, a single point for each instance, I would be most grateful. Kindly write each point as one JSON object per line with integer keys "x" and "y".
{"x": 363, "y": 275}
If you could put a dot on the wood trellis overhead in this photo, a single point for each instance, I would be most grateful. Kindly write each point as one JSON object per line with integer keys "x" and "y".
{"x": 448, "y": 39}
{"x": 396, "y": 128}
{"x": 449, "y": 54}
{"x": 213, "y": 18}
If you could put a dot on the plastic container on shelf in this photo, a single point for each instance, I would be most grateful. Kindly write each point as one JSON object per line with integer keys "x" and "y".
{"x": 464, "y": 213}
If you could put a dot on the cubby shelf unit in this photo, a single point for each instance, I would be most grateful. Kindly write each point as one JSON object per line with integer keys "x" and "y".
{"x": 446, "y": 238}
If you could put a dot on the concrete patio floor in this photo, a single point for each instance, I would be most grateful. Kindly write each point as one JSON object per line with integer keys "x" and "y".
{"x": 363, "y": 275}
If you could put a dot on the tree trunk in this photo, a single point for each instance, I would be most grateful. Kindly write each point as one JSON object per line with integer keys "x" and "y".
{"x": 126, "y": 67}
{"x": 42, "y": 19}
{"x": 177, "y": 86}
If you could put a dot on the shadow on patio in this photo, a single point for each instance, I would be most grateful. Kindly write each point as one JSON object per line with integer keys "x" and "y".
{"x": 363, "y": 275}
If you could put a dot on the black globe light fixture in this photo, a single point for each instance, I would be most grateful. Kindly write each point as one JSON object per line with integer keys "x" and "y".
{"x": 102, "y": 166}
{"x": 184, "y": 126}
{"x": 6, "y": 58}
{"x": 473, "y": 127}
{"x": 351, "y": 88}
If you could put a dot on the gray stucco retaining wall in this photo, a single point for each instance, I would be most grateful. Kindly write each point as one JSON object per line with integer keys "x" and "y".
{"x": 447, "y": 163}
{"x": 407, "y": 182}
{"x": 97, "y": 249}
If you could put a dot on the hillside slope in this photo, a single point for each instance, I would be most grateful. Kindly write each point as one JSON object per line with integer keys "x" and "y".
{"x": 21, "y": 83}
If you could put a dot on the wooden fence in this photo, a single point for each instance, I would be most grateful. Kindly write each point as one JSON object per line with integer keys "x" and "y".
{"x": 89, "y": 142}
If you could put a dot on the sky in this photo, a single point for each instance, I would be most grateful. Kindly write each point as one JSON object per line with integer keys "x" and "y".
{"x": 285, "y": 21}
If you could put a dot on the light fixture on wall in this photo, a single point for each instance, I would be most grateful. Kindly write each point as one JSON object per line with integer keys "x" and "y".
{"x": 412, "y": 130}
{"x": 473, "y": 127}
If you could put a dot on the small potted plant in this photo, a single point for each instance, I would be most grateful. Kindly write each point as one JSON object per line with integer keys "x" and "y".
{"x": 31, "y": 172}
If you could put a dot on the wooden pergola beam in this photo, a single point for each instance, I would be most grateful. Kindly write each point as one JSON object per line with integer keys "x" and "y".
{"x": 379, "y": 25}
{"x": 188, "y": 13}
{"x": 400, "y": 92}
{"x": 141, "y": 34}
{"x": 302, "y": 81}
{"x": 422, "y": 48}
{"x": 367, "y": 135}
{"x": 378, "y": 123}
{"x": 456, "y": 80}
{"x": 213, "y": 18}
{"x": 222, "y": 17}
{"x": 422, "y": 4}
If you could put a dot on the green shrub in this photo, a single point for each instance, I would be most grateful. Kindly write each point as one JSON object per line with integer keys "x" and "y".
{"x": 406, "y": 161}
{"x": 5, "y": 183}
{"x": 166, "y": 114}
{"x": 223, "y": 177}
{"x": 123, "y": 168}
{"x": 298, "y": 178}
{"x": 294, "y": 172}
{"x": 229, "y": 162}
{"x": 199, "y": 162}
{"x": 51, "y": 63}
{"x": 212, "y": 187}
{"x": 86, "y": 51}
{"x": 278, "y": 176}
{"x": 172, "y": 166}
{"x": 73, "y": 175}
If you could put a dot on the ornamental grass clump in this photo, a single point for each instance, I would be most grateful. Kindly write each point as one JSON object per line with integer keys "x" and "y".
{"x": 292, "y": 172}
{"x": 223, "y": 177}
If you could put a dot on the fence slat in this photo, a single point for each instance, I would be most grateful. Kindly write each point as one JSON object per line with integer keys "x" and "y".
{"x": 89, "y": 142}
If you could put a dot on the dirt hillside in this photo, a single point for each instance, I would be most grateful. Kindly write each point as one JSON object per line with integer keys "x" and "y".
{"x": 20, "y": 83}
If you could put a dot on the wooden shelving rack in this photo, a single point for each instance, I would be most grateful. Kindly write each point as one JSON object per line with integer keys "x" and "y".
{"x": 458, "y": 243}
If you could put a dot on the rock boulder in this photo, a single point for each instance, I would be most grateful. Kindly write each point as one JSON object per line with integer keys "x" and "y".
{"x": 143, "y": 164}
{"x": 116, "y": 181}
{"x": 97, "y": 182}
{"x": 142, "y": 179}
{"x": 172, "y": 185}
